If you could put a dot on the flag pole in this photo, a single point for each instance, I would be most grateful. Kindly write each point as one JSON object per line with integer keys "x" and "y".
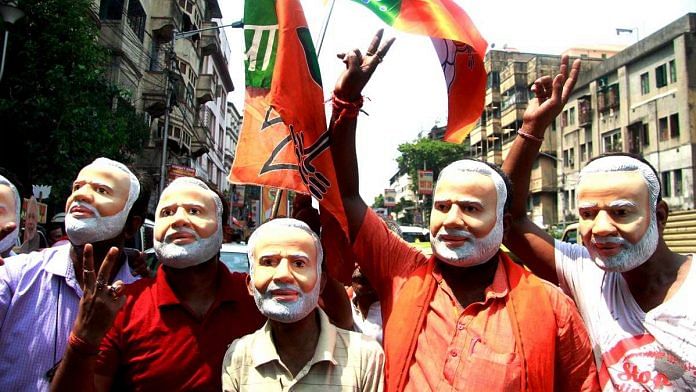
{"x": 279, "y": 191}
{"x": 325, "y": 27}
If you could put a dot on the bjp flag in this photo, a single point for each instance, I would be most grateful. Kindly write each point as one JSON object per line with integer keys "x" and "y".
{"x": 459, "y": 46}
{"x": 284, "y": 141}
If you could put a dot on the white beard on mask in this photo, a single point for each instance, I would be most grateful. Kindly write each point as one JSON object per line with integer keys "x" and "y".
{"x": 9, "y": 241}
{"x": 183, "y": 256}
{"x": 631, "y": 255}
{"x": 94, "y": 229}
{"x": 286, "y": 312}
{"x": 474, "y": 251}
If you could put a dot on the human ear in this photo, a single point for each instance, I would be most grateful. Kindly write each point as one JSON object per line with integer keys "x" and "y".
{"x": 249, "y": 286}
{"x": 507, "y": 223}
{"x": 661, "y": 213}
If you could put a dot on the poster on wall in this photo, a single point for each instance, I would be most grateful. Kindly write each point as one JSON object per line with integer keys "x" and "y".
{"x": 268, "y": 196}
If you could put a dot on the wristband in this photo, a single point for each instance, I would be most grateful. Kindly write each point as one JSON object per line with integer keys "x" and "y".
{"x": 529, "y": 136}
{"x": 80, "y": 346}
{"x": 345, "y": 108}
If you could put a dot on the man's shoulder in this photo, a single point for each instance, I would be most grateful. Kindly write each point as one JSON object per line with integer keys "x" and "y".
{"x": 33, "y": 263}
{"x": 239, "y": 351}
{"x": 356, "y": 343}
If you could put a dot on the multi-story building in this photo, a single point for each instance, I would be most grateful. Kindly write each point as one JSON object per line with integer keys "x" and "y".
{"x": 638, "y": 101}
{"x": 234, "y": 126}
{"x": 147, "y": 61}
{"x": 510, "y": 76}
{"x": 211, "y": 125}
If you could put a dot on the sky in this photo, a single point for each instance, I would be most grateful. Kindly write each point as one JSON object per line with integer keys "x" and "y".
{"x": 407, "y": 93}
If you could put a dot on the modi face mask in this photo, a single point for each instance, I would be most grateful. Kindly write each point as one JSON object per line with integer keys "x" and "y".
{"x": 101, "y": 199}
{"x": 617, "y": 201}
{"x": 188, "y": 224}
{"x": 10, "y": 205}
{"x": 285, "y": 274}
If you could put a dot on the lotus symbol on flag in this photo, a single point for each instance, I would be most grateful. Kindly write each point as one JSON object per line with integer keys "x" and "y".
{"x": 41, "y": 192}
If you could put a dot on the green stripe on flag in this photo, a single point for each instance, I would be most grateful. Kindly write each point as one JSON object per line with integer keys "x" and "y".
{"x": 387, "y": 10}
{"x": 261, "y": 40}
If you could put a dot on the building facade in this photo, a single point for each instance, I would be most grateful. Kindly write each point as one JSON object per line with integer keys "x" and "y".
{"x": 148, "y": 61}
{"x": 510, "y": 77}
{"x": 638, "y": 101}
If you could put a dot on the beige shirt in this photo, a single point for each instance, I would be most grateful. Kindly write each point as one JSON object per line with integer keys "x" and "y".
{"x": 343, "y": 361}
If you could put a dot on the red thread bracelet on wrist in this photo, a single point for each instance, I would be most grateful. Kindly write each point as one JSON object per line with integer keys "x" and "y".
{"x": 529, "y": 136}
{"x": 79, "y": 345}
{"x": 345, "y": 108}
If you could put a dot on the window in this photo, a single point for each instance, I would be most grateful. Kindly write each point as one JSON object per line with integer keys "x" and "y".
{"x": 674, "y": 125}
{"x": 571, "y": 116}
{"x": 663, "y": 129}
{"x": 672, "y": 71}
{"x": 646, "y": 135}
{"x": 612, "y": 141}
{"x": 666, "y": 184}
{"x": 678, "y": 182}
{"x": 644, "y": 83}
{"x": 111, "y": 9}
{"x": 569, "y": 158}
{"x": 583, "y": 153}
{"x": 661, "y": 76}
{"x": 137, "y": 18}
{"x": 493, "y": 79}
{"x": 564, "y": 119}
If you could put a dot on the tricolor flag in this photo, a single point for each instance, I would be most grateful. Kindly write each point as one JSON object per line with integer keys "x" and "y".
{"x": 284, "y": 141}
{"x": 459, "y": 46}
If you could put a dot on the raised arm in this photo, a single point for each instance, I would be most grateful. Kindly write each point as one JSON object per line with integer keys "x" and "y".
{"x": 98, "y": 307}
{"x": 347, "y": 100}
{"x": 527, "y": 240}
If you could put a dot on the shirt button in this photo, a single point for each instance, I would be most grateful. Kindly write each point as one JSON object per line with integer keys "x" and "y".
{"x": 453, "y": 354}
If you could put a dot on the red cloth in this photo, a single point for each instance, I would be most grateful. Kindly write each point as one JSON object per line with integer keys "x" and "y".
{"x": 157, "y": 343}
{"x": 550, "y": 343}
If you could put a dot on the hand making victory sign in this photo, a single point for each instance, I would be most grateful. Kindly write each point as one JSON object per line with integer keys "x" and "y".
{"x": 100, "y": 301}
{"x": 359, "y": 68}
{"x": 551, "y": 97}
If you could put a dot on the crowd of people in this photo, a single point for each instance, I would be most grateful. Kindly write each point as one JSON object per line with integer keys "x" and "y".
{"x": 611, "y": 314}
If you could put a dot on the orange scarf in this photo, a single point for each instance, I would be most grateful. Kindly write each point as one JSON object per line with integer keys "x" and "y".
{"x": 533, "y": 324}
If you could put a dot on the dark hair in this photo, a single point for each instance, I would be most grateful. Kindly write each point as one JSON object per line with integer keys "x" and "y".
{"x": 638, "y": 158}
{"x": 140, "y": 205}
{"x": 225, "y": 207}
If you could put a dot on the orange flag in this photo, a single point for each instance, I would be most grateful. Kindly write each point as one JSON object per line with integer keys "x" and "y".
{"x": 284, "y": 140}
{"x": 458, "y": 44}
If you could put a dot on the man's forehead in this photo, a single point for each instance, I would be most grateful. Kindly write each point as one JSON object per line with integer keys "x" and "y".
{"x": 629, "y": 185}
{"x": 102, "y": 172}
{"x": 465, "y": 183}
{"x": 186, "y": 194}
{"x": 279, "y": 238}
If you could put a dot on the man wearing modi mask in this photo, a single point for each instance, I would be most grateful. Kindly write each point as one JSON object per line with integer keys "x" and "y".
{"x": 298, "y": 348}
{"x": 633, "y": 292}
{"x": 40, "y": 292}
{"x": 169, "y": 332}
{"x": 467, "y": 318}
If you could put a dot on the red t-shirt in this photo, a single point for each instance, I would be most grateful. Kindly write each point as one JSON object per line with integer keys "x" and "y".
{"x": 157, "y": 343}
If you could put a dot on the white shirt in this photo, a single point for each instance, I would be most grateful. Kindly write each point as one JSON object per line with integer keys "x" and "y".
{"x": 634, "y": 350}
{"x": 371, "y": 325}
